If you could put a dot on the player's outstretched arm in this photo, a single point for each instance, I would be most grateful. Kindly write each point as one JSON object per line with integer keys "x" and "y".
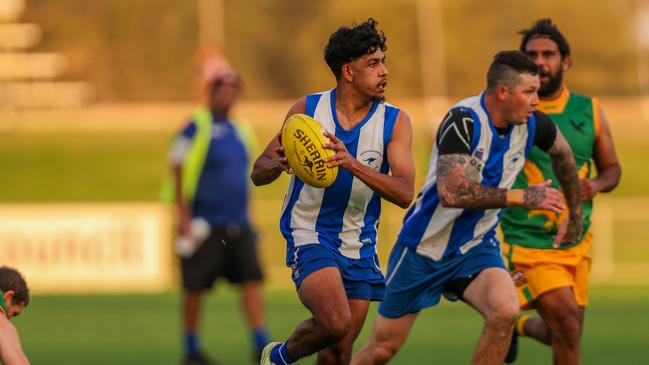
{"x": 608, "y": 166}
{"x": 272, "y": 162}
{"x": 398, "y": 187}
{"x": 11, "y": 352}
{"x": 458, "y": 187}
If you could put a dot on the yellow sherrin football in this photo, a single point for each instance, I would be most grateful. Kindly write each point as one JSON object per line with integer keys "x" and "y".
{"x": 302, "y": 139}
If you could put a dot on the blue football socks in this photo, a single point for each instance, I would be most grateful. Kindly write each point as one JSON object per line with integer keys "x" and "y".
{"x": 191, "y": 343}
{"x": 279, "y": 355}
{"x": 260, "y": 338}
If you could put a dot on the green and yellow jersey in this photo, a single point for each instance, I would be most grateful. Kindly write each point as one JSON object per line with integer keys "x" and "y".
{"x": 577, "y": 117}
{"x": 3, "y": 305}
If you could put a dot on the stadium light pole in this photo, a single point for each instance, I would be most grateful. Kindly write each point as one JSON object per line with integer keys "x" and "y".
{"x": 211, "y": 24}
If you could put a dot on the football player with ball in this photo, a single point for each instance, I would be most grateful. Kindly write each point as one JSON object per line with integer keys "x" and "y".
{"x": 331, "y": 231}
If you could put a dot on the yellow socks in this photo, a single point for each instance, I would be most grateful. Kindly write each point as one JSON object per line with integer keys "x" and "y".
{"x": 520, "y": 325}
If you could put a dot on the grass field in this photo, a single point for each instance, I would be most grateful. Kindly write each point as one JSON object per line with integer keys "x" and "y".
{"x": 145, "y": 329}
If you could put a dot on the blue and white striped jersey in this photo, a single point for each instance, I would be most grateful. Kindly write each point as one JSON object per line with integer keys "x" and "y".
{"x": 345, "y": 215}
{"x": 435, "y": 231}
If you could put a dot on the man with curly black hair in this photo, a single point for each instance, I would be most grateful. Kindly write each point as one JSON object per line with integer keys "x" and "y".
{"x": 14, "y": 297}
{"x": 331, "y": 233}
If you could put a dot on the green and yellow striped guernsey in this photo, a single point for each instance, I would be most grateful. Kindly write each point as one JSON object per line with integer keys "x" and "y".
{"x": 577, "y": 117}
{"x": 3, "y": 305}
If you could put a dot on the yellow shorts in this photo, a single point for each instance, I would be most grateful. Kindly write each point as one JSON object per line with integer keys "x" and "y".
{"x": 537, "y": 271}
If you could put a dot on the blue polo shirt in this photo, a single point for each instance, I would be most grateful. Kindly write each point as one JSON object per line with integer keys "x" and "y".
{"x": 222, "y": 192}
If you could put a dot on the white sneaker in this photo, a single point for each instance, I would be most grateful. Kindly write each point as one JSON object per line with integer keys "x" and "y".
{"x": 265, "y": 354}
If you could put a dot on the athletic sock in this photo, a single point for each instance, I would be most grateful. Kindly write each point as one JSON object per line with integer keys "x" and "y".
{"x": 260, "y": 338}
{"x": 279, "y": 355}
{"x": 520, "y": 325}
{"x": 191, "y": 343}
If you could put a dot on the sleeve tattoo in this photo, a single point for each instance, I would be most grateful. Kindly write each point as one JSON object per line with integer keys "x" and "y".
{"x": 565, "y": 169}
{"x": 458, "y": 186}
{"x": 533, "y": 196}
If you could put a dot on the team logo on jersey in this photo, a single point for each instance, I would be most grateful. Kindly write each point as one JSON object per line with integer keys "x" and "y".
{"x": 372, "y": 158}
{"x": 578, "y": 126}
{"x": 516, "y": 162}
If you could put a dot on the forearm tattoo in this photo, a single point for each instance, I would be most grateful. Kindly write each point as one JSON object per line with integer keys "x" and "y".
{"x": 565, "y": 169}
{"x": 446, "y": 164}
{"x": 533, "y": 196}
{"x": 458, "y": 186}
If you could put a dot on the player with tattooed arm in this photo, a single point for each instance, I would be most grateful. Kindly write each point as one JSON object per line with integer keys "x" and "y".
{"x": 448, "y": 243}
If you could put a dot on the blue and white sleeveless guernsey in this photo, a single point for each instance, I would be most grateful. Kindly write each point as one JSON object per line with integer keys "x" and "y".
{"x": 437, "y": 232}
{"x": 345, "y": 215}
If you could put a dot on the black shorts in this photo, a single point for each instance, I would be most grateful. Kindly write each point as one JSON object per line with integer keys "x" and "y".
{"x": 230, "y": 253}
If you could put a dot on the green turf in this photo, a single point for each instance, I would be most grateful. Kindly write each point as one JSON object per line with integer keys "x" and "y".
{"x": 129, "y": 165}
{"x": 81, "y": 166}
{"x": 145, "y": 329}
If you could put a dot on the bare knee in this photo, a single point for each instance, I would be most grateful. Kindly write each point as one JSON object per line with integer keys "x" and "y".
{"x": 385, "y": 351}
{"x": 335, "y": 326}
{"x": 377, "y": 351}
{"x": 503, "y": 314}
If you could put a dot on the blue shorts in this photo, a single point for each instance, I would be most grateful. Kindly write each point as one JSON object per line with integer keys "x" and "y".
{"x": 362, "y": 278}
{"x": 415, "y": 282}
